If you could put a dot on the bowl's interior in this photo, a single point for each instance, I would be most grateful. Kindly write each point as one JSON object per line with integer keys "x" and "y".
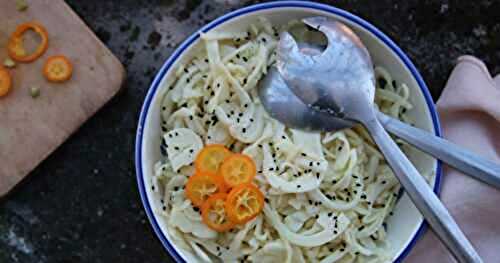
{"x": 403, "y": 226}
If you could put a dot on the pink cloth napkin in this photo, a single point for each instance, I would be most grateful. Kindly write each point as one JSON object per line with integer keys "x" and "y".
{"x": 469, "y": 109}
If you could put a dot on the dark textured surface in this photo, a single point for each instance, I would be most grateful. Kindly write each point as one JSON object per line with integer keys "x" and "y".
{"x": 82, "y": 204}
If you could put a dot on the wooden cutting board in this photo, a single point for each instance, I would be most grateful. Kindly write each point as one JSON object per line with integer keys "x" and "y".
{"x": 30, "y": 129}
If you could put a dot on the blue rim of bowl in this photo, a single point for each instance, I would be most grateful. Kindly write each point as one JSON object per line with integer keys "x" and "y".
{"x": 281, "y": 4}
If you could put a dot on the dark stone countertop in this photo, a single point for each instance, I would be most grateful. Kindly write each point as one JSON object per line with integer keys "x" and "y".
{"x": 82, "y": 203}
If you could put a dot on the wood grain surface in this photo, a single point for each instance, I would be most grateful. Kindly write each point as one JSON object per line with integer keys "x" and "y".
{"x": 31, "y": 128}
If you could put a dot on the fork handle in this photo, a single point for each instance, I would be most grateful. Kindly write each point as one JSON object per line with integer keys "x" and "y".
{"x": 453, "y": 155}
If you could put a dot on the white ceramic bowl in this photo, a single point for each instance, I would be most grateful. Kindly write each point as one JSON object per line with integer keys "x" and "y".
{"x": 406, "y": 224}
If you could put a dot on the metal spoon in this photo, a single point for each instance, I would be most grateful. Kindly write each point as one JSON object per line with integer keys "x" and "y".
{"x": 278, "y": 99}
{"x": 346, "y": 89}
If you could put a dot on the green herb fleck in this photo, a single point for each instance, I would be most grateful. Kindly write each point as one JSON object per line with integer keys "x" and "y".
{"x": 21, "y": 5}
{"x": 34, "y": 92}
{"x": 9, "y": 63}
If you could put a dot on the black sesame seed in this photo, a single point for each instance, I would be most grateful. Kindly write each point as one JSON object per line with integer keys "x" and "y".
{"x": 382, "y": 83}
{"x": 212, "y": 93}
{"x": 259, "y": 172}
{"x": 186, "y": 70}
{"x": 316, "y": 216}
{"x": 176, "y": 134}
{"x": 196, "y": 209}
{"x": 334, "y": 181}
{"x": 317, "y": 175}
{"x": 191, "y": 151}
{"x": 240, "y": 114}
{"x": 237, "y": 55}
{"x": 206, "y": 102}
{"x": 264, "y": 39}
{"x": 310, "y": 202}
{"x": 176, "y": 188}
{"x": 200, "y": 115}
{"x": 318, "y": 163}
{"x": 206, "y": 60}
{"x": 354, "y": 176}
{"x": 238, "y": 39}
{"x": 363, "y": 196}
{"x": 164, "y": 208}
{"x": 361, "y": 228}
{"x": 331, "y": 249}
{"x": 274, "y": 155}
{"x": 342, "y": 249}
{"x": 227, "y": 101}
{"x": 383, "y": 182}
{"x": 209, "y": 137}
{"x": 330, "y": 214}
{"x": 207, "y": 122}
{"x": 187, "y": 80}
{"x": 191, "y": 117}
{"x": 251, "y": 120}
{"x": 310, "y": 164}
{"x": 153, "y": 188}
{"x": 163, "y": 108}
{"x": 358, "y": 184}
{"x": 245, "y": 59}
{"x": 356, "y": 253}
{"x": 260, "y": 145}
{"x": 271, "y": 169}
{"x": 298, "y": 186}
{"x": 266, "y": 200}
{"x": 245, "y": 80}
{"x": 176, "y": 148}
{"x": 244, "y": 130}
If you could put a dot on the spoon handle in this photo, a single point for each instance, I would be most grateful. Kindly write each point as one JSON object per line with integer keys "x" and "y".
{"x": 422, "y": 196}
{"x": 453, "y": 155}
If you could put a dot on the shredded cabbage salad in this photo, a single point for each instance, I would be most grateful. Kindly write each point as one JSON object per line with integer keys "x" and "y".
{"x": 328, "y": 195}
